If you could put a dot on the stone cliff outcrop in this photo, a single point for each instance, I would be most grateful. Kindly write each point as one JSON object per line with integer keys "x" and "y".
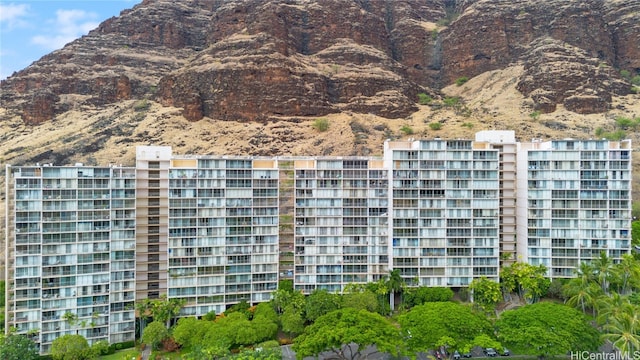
{"x": 257, "y": 60}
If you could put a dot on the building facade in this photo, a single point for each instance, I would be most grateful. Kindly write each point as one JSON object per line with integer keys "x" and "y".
{"x": 83, "y": 243}
{"x": 70, "y": 251}
{"x": 574, "y": 202}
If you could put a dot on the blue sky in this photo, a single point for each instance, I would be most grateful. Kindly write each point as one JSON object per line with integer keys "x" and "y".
{"x": 31, "y": 29}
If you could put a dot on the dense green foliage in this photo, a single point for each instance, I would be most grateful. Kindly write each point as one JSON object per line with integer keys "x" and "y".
{"x": 426, "y": 324}
{"x": 485, "y": 292}
{"x": 71, "y": 347}
{"x": 320, "y": 302}
{"x": 17, "y": 347}
{"x": 332, "y": 331}
{"x": 545, "y": 329}
{"x": 427, "y": 319}
{"x": 154, "y": 333}
{"x": 527, "y": 280}
{"x": 424, "y": 294}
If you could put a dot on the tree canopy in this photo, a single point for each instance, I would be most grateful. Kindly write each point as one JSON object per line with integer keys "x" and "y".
{"x": 347, "y": 333}
{"x": 426, "y": 324}
{"x": 485, "y": 292}
{"x": 154, "y": 333}
{"x": 18, "y": 347}
{"x": 320, "y": 302}
{"x": 71, "y": 347}
{"x": 528, "y": 280}
{"x": 545, "y": 329}
{"x": 425, "y": 294}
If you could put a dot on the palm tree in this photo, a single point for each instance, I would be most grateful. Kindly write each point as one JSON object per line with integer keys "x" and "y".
{"x": 395, "y": 284}
{"x": 581, "y": 294}
{"x": 143, "y": 309}
{"x": 585, "y": 272}
{"x": 71, "y": 319}
{"x": 612, "y": 306}
{"x": 624, "y": 332}
{"x": 627, "y": 272}
{"x": 603, "y": 270}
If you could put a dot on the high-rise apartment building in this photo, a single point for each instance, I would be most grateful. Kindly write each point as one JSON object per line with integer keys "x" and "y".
{"x": 444, "y": 211}
{"x": 70, "y": 251}
{"x": 574, "y": 202}
{"x": 341, "y": 222}
{"x": 83, "y": 243}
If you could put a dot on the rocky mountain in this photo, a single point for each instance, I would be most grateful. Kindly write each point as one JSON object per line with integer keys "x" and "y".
{"x": 251, "y": 76}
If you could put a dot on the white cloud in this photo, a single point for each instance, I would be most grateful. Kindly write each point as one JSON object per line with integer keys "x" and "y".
{"x": 67, "y": 26}
{"x": 11, "y": 15}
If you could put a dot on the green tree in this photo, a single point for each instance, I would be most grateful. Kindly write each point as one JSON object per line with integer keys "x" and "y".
{"x": 623, "y": 331}
{"x": 265, "y": 310}
{"x": 424, "y": 294}
{"x": 581, "y": 294}
{"x": 484, "y": 341}
{"x": 165, "y": 310}
{"x": 546, "y": 329}
{"x": 612, "y": 306}
{"x": 346, "y": 332}
{"x": 292, "y": 321}
{"x": 208, "y": 351}
{"x": 361, "y": 299}
{"x": 154, "y": 333}
{"x": 265, "y": 328}
{"x": 528, "y": 280}
{"x": 485, "y": 292}
{"x": 429, "y": 322}
{"x": 190, "y": 331}
{"x": 18, "y": 347}
{"x": 71, "y": 347}
{"x": 282, "y": 298}
{"x": 380, "y": 289}
{"x": 100, "y": 347}
{"x": 627, "y": 274}
{"x": 143, "y": 310}
{"x": 320, "y": 302}
{"x": 603, "y": 266}
{"x": 395, "y": 285}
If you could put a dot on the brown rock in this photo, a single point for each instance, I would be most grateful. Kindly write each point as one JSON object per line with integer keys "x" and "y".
{"x": 40, "y": 108}
{"x": 260, "y": 59}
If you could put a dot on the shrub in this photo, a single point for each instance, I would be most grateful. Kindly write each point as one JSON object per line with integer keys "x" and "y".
{"x": 434, "y": 34}
{"x": 625, "y": 74}
{"x": 461, "y": 80}
{"x": 535, "y": 115}
{"x": 321, "y": 124}
{"x": 635, "y": 80}
{"x": 624, "y": 123}
{"x": 435, "y": 126}
{"x": 101, "y": 347}
{"x": 141, "y": 105}
{"x": 468, "y": 125}
{"x": 451, "y": 101}
{"x": 424, "y": 99}
{"x": 406, "y": 129}
{"x": 635, "y": 89}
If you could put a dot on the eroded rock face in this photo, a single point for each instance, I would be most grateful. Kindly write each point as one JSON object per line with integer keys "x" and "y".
{"x": 557, "y": 73}
{"x": 259, "y": 59}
